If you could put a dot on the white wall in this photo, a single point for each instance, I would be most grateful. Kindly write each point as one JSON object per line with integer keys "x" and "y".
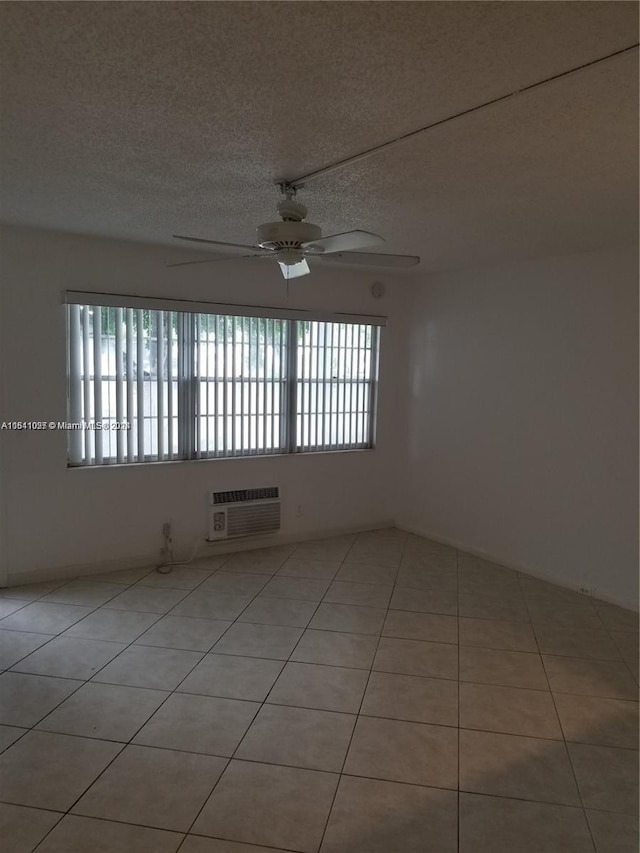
{"x": 523, "y": 433}
{"x": 57, "y": 517}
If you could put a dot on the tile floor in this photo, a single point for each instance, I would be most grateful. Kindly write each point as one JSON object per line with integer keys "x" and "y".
{"x": 376, "y": 693}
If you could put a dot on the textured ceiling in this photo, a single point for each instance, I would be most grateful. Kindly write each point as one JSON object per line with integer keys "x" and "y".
{"x": 139, "y": 120}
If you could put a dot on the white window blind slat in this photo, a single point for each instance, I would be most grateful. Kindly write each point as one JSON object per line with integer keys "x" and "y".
{"x": 140, "y": 385}
{"x": 75, "y": 384}
{"x": 119, "y": 382}
{"x": 97, "y": 381}
{"x": 131, "y": 436}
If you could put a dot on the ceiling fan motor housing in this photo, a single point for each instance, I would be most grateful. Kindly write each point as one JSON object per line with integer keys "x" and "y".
{"x": 286, "y": 235}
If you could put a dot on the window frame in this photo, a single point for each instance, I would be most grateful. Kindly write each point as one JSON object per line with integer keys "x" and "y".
{"x": 188, "y": 379}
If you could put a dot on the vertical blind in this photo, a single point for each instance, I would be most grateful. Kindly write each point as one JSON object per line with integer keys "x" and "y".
{"x": 150, "y": 385}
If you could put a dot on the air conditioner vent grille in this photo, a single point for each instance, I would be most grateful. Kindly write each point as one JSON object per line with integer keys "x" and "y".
{"x": 240, "y": 495}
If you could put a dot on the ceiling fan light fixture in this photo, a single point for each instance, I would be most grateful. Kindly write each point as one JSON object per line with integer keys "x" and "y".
{"x": 290, "y": 267}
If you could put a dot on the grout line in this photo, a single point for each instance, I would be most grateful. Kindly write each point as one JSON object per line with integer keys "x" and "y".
{"x": 564, "y": 741}
{"x": 364, "y": 693}
{"x": 261, "y": 704}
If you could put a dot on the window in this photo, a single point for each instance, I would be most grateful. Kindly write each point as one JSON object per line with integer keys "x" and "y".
{"x": 167, "y": 383}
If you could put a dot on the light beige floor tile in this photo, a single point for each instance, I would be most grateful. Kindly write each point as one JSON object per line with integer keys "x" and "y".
{"x": 611, "y": 679}
{"x": 31, "y": 591}
{"x": 43, "y": 618}
{"x": 83, "y": 834}
{"x": 404, "y": 752}
{"x": 121, "y": 576}
{"x": 298, "y": 737}
{"x": 479, "y": 576}
{"x": 493, "y": 634}
{"x": 145, "y": 666}
{"x": 512, "y": 710}
{"x": 199, "y": 724}
{"x": 508, "y": 669}
{"x": 210, "y": 604}
{"x": 429, "y": 578}
{"x": 335, "y": 649}
{"x": 607, "y": 777}
{"x": 371, "y": 816}
{"x": 289, "y": 806}
{"x": 15, "y": 645}
{"x": 374, "y": 556}
{"x": 535, "y": 589}
{"x": 618, "y": 618}
{"x": 421, "y": 626}
{"x": 117, "y": 626}
{"x": 522, "y": 767}
{"x": 425, "y": 600}
{"x": 22, "y": 828}
{"x": 26, "y": 699}
{"x": 180, "y": 577}
{"x": 415, "y": 544}
{"x": 153, "y": 787}
{"x": 69, "y": 657}
{"x": 104, "y": 711}
{"x": 235, "y": 583}
{"x": 365, "y": 572}
{"x": 348, "y": 618}
{"x": 264, "y": 561}
{"x": 409, "y": 697}
{"x": 211, "y": 562}
{"x": 336, "y": 548}
{"x": 233, "y": 677}
{"x": 308, "y": 589}
{"x": 627, "y": 645}
{"x": 415, "y": 657}
{"x": 85, "y": 592}
{"x": 8, "y": 606}
{"x": 198, "y": 844}
{"x": 279, "y": 611}
{"x": 614, "y": 833}
{"x": 365, "y": 594}
{"x": 144, "y": 599}
{"x": 302, "y": 567}
{"x": 590, "y": 719}
{"x": 575, "y": 642}
{"x": 566, "y": 616}
{"x": 260, "y": 641}
{"x": 443, "y": 558}
{"x": 492, "y": 607}
{"x": 330, "y": 688}
{"x": 472, "y": 566}
{"x": 50, "y": 771}
{"x": 184, "y": 632}
{"x": 500, "y": 825}
{"x": 9, "y": 735}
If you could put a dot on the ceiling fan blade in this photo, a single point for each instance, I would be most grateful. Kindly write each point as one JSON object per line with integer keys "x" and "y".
{"x": 212, "y": 260}
{"x": 343, "y": 242}
{"x": 371, "y": 259}
{"x": 217, "y": 243}
{"x": 294, "y": 270}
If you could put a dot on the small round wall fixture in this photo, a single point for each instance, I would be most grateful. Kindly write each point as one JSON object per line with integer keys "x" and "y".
{"x": 377, "y": 289}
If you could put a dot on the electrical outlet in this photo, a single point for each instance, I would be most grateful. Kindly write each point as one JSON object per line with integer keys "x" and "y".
{"x": 166, "y": 530}
{"x": 587, "y": 590}
{"x": 299, "y": 511}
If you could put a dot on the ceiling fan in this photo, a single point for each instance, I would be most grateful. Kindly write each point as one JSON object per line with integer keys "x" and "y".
{"x": 293, "y": 242}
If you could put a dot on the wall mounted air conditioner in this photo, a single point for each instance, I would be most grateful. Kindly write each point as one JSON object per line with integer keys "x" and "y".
{"x": 243, "y": 512}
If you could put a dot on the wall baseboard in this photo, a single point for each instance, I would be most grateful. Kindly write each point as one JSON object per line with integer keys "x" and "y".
{"x": 204, "y": 549}
{"x": 525, "y": 569}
